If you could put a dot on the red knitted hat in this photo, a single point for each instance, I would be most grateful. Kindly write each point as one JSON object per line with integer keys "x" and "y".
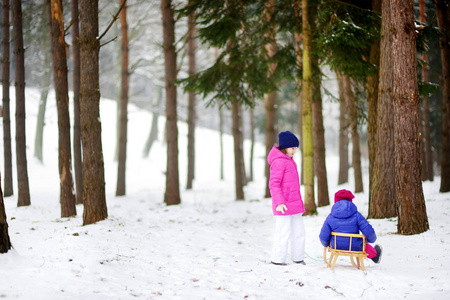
{"x": 343, "y": 195}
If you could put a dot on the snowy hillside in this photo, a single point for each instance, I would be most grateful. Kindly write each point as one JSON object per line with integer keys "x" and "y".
{"x": 209, "y": 247}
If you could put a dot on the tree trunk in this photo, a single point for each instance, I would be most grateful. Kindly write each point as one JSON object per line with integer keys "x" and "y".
{"x": 317, "y": 119}
{"x": 383, "y": 203}
{"x": 191, "y": 106}
{"x": 308, "y": 164}
{"x": 252, "y": 139}
{"x": 46, "y": 79}
{"x": 271, "y": 135}
{"x": 343, "y": 134}
{"x": 221, "y": 143}
{"x": 40, "y": 123}
{"x": 427, "y": 160}
{"x": 93, "y": 167}
{"x": 372, "y": 103}
{"x": 241, "y": 145}
{"x": 443, "y": 20}
{"x": 270, "y": 100}
{"x": 153, "y": 136}
{"x": 412, "y": 215}
{"x": 21, "y": 153}
{"x": 237, "y": 150}
{"x": 121, "y": 171}
{"x": 5, "y": 242}
{"x": 172, "y": 194}
{"x": 352, "y": 111}
{"x": 299, "y": 52}
{"x": 76, "y": 103}
{"x": 6, "y": 100}
{"x": 67, "y": 196}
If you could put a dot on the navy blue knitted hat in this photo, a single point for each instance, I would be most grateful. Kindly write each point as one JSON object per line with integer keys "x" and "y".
{"x": 287, "y": 139}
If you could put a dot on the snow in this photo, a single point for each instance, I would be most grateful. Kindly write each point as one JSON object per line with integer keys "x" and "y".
{"x": 208, "y": 247}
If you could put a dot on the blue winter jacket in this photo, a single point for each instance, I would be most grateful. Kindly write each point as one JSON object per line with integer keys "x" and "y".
{"x": 345, "y": 218}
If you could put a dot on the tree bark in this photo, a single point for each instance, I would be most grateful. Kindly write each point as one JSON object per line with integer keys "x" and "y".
{"x": 372, "y": 85}
{"x": 383, "y": 203}
{"x": 21, "y": 153}
{"x": 221, "y": 123}
{"x": 308, "y": 164}
{"x": 235, "y": 112}
{"x": 443, "y": 21}
{"x": 153, "y": 136}
{"x": 191, "y": 105}
{"x": 46, "y": 79}
{"x": 299, "y": 53}
{"x": 427, "y": 159}
{"x": 93, "y": 167}
{"x": 6, "y": 99}
{"x": 412, "y": 215}
{"x": 121, "y": 169}
{"x": 5, "y": 242}
{"x": 343, "y": 134}
{"x": 270, "y": 99}
{"x": 252, "y": 140}
{"x": 172, "y": 194}
{"x": 352, "y": 112}
{"x": 67, "y": 196}
{"x": 317, "y": 119}
{"x": 77, "y": 156}
{"x": 40, "y": 122}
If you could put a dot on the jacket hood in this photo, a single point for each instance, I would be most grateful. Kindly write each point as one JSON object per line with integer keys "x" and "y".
{"x": 274, "y": 154}
{"x": 343, "y": 209}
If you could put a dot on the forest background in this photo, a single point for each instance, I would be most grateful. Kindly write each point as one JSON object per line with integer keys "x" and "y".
{"x": 264, "y": 59}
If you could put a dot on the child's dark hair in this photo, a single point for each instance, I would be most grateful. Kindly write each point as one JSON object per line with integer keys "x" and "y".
{"x": 283, "y": 151}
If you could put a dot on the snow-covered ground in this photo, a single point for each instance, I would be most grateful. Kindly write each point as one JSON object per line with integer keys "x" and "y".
{"x": 210, "y": 246}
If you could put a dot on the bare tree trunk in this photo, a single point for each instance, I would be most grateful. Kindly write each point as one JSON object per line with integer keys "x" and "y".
{"x": 241, "y": 145}
{"x": 221, "y": 123}
{"x": 270, "y": 100}
{"x": 172, "y": 194}
{"x": 343, "y": 134}
{"x": 252, "y": 139}
{"x": 221, "y": 143}
{"x": 76, "y": 103}
{"x": 412, "y": 215}
{"x": 271, "y": 135}
{"x": 317, "y": 119}
{"x": 153, "y": 136}
{"x": 6, "y": 100}
{"x": 5, "y": 242}
{"x": 307, "y": 139}
{"x": 21, "y": 153}
{"x": 237, "y": 150}
{"x": 372, "y": 103}
{"x": 46, "y": 80}
{"x": 93, "y": 167}
{"x": 67, "y": 196}
{"x": 191, "y": 106}
{"x": 352, "y": 110}
{"x": 299, "y": 51}
{"x": 121, "y": 171}
{"x": 383, "y": 200}
{"x": 443, "y": 20}
{"x": 40, "y": 122}
{"x": 427, "y": 159}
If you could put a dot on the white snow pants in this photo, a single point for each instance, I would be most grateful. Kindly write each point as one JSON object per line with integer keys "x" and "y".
{"x": 289, "y": 230}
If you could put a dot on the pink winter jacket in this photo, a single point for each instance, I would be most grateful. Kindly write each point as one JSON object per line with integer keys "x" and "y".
{"x": 284, "y": 183}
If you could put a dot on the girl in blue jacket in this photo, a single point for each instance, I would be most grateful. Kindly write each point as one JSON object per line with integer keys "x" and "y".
{"x": 345, "y": 218}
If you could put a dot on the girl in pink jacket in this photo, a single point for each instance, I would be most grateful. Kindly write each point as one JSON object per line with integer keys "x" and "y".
{"x": 287, "y": 204}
